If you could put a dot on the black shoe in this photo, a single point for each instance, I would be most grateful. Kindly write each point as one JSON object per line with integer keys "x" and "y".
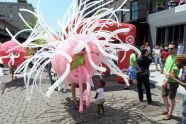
{"x": 150, "y": 102}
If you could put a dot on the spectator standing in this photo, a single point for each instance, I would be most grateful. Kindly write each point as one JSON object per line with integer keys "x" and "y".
{"x": 132, "y": 67}
{"x": 148, "y": 48}
{"x": 143, "y": 75}
{"x": 169, "y": 86}
{"x": 181, "y": 64}
{"x": 180, "y": 48}
{"x": 156, "y": 53}
{"x": 149, "y": 51}
{"x": 164, "y": 55}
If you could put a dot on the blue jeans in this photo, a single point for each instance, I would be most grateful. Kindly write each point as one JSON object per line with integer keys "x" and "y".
{"x": 184, "y": 111}
{"x": 132, "y": 73}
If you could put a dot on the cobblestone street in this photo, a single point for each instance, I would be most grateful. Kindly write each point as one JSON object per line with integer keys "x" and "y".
{"x": 121, "y": 106}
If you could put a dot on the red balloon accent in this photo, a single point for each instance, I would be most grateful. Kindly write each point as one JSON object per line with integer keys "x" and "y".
{"x": 5, "y": 47}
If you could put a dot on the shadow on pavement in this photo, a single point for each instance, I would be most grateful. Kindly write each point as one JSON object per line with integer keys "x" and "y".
{"x": 13, "y": 84}
{"x": 125, "y": 114}
{"x": 178, "y": 119}
{"x": 153, "y": 82}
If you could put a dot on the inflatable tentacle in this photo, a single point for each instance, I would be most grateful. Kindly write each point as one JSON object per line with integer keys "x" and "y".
{"x": 80, "y": 90}
{"x": 115, "y": 70}
{"x": 105, "y": 53}
{"x": 56, "y": 84}
{"x": 91, "y": 61}
{"x": 88, "y": 83}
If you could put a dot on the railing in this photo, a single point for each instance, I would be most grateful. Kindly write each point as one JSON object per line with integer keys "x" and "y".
{"x": 170, "y": 4}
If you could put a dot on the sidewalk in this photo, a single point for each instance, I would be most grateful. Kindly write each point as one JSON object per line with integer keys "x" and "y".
{"x": 156, "y": 78}
{"x": 121, "y": 106}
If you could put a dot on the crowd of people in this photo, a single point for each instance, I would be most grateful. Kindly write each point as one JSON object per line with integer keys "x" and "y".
{"x": 172, "y": 63}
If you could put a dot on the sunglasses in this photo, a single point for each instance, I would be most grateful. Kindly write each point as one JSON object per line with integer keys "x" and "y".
{"x": 171, "y": 48}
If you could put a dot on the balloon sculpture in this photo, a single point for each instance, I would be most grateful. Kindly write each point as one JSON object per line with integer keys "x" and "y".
{"x": 83, "y": 45}
{"x": 12, "y": 58}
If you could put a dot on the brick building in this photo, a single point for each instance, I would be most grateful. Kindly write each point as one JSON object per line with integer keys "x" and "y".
{"x": 9, "y": 17}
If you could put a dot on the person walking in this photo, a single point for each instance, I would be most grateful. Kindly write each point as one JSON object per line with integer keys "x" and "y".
{"x": 143, "y": 75}
{"x": 169, "y": 86}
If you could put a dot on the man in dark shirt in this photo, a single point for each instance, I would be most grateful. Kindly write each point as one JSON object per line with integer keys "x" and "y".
{"x": 143, "y": 75}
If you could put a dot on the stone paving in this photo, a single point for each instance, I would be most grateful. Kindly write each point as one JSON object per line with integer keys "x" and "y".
{"x": 121, "y": 106}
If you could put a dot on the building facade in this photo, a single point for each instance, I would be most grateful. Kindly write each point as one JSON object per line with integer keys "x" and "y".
{"x": 139, "y": 10}
{"x": 168, "y": 25}
{"x": 137, "y": 15}
{"x": 121, "y": 15}
{"x": 157, "y": 22}
{"x": 9, "y": 12}
{"x": 10, "y": 19}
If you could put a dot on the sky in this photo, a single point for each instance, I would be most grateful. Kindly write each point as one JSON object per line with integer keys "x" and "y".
{"x": 52, "y": 10}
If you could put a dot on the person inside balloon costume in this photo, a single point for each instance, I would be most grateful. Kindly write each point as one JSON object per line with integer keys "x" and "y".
{"x": 77, "y": 60}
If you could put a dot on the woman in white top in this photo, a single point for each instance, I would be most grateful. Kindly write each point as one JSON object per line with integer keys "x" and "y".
{"x": 156, "y": 53}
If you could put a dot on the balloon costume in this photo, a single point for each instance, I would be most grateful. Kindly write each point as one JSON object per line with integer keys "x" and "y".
{"x": 15, "y": 57}
{"x": 79, "y": 51}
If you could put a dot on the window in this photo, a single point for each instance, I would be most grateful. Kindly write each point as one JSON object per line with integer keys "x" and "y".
{"x": 2, "y": 15}
{"x": 10, "y": 11}
{"x": 10, "y": 19}
{"x": 10, "y": 16}
{"x": 134, "y": 10}
{"x": 1, "y": 10}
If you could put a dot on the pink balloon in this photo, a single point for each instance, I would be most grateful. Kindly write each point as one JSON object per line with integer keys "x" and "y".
{"x": 5, "y": 47}
{"x": 80, "y": 90}
{"x": 83, "y": 73}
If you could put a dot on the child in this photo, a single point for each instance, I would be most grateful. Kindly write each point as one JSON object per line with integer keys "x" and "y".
{"x": 100, "y": 98}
